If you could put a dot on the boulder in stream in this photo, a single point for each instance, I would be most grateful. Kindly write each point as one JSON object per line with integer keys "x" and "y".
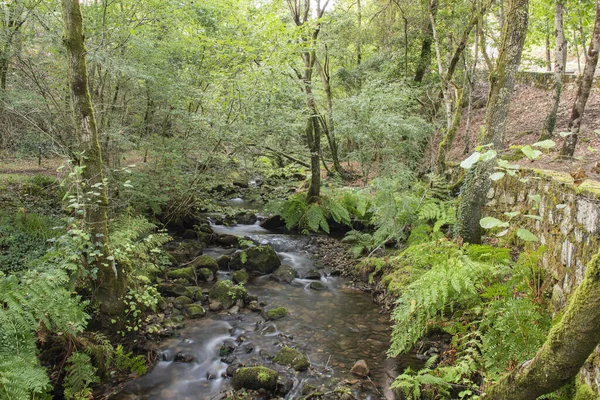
{"x": 173, "y": 290}
{"x": 205, "y": 275}
{"x": 205, "y": 262}
{"x": 255, "y": 378}
{"x": 360, "y": 369}
{"x": 275, "y": 313}
{"x": 285, "y": 274}
{"x": 258, "y": 260}
{"x": 245, "y": 217}
{"x": 194, "y": 311}
{"x": 187, "y": 273}
{"x": 317, "y": 286}
{"x": 182, "y": 301}
{"x": 292, "y": 358}
{"x": 186, "y": 251}
{"x": 227, "y": 293}
{"x": 274, "y": 222}
{"x": 182, "y": 357}
{"x": 312, "y": 274}
{"x": 227, "y": 240}
{"x": 223, "y": 262}
{"x": 240, "y": 276}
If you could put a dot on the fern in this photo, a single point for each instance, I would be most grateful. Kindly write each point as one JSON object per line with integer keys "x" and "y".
{"x": 413, "y": 385}
{"x": 81, "y": 374}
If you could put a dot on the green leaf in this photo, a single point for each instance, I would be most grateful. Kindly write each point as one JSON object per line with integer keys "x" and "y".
{"x": 565, "y": 134}
{"x": 536, "y": 217}
{"x": 560, "y": 206}
{"x": 472, "y": 160}
{"x": 500, "y": 234}
{"x": 536, "y": 198}
{"x": 488, "y": 155}
{"x": 524, "y": 180}
{"x": 526, "y": 235}
{"x": 545, "y": 144}
{"x": 496, "y": 176}
{"x": 593, "y": 150}
{"x": 491, "y": 222}
{"x": 505, "y": 164}
{"x": 530, "y": 153}
{"x": 512, "y": 214}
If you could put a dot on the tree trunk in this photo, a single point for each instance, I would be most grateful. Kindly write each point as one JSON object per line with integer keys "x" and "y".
{"x": 329, "y": 125}
{"x": 583, "y": 91}
{"x": 471, "y": 80}
{"x": 548, "y": 57}
{"x": 502, "y": 81}
{"x": 425, "y": 57}
{"x": 448, "y": 139}
{"x": 567, "y": 347}
{"x": 559, "y": 70}
{"x": 359, "y": 39}
{"x": 483, "y": 48}
{"x": 110, "y": 280}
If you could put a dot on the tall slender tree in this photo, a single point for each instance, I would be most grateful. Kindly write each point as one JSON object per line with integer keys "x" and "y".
{"x": 559, "y": 69}
{"x": 502, "y": 81}
{"x": 110, "y": 280}
{"x": 584, "y": 89}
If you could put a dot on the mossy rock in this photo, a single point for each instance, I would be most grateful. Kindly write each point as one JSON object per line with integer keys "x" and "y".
{"x": 227, "y": 240}
{"x": 240, "y": 276}
{"x": 255, "y": 378}
{"x": 194, "y": 310}
{"x": 285, "y": 274}
{"x": 205, "y": 275}
{"x": 275, "y": 313}
{"x": 187, "y": 273}
{"x": 205, "y": 228}
{"x": 173, "y": 290}
{"x": 223, "y": 262}
{"x": 182, "y": 301}
{"x": 205, "y": 238}
{"x": 172, "y": 260}
{"x": 187, "y": 251}
{"x": 196, "y": 293}
{"x": 227, "y": 293}
{"x": 260, "y": 260}
{"x": 292, "y": 358}
{"x": 205, "y": 262}
{"x": 245, "y": 217}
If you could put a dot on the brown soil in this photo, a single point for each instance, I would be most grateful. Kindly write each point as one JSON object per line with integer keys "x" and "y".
{"x": 528, "y": 111}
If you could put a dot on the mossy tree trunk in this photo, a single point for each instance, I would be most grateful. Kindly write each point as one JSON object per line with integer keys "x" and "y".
{"x": 425, "y": 57}
{"x": 559, "y": 70}
{"x": 583, "y": 91}
{"x": 301, "y": 13}
{"x": 502, "y": 81}
{"x": 110, "y": 281}
{"x": 446, "y": 143}
{"x": 569, "y": 344}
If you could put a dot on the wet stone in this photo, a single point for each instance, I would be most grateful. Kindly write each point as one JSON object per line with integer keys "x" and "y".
{"x": 317, "y": 286}
{"x": 182, "y": 357}
{"x": 227, "y": 348}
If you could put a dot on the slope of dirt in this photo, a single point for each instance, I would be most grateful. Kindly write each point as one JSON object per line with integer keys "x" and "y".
{"x": 528, "y": 111}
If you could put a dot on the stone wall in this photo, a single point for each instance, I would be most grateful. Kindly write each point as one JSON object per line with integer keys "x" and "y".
{"x": 569, "y": 228}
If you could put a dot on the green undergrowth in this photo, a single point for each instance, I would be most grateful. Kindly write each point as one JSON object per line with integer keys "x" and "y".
{"x": 494, "y": 309}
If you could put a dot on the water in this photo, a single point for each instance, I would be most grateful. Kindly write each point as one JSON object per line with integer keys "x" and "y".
{"x": 333, "y": 327}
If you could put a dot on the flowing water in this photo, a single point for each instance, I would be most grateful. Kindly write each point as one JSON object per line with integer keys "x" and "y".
{"x": 333, "y": 327}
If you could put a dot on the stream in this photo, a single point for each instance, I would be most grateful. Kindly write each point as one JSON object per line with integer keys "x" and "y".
{"x": 333, "y": 327}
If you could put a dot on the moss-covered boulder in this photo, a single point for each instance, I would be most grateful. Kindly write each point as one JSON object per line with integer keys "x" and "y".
{"x": 194, "y": 310}
{"x": 292, "y": 358}
{"x": 205, "y": 275}
{"x": 181, "y": 301}
{"x": 196, "y": 293}
{"x": 223, "y": 262}
{"x": 187, "y": 250}
{"x": 258, "y": 260}
{"x": 227, "y": 293}
{"x": 245, "y": 217}
{"x": 275, "y": 313}
{"x": 187, "y": 273}
{"x": 285, "y": 274}
{"x": 227, "y": 240}
{"x": 173, "y": 290}
{"x": 240, "y": 276}
{"x": 255, "y": 378}
{"x": 205, "y": 262}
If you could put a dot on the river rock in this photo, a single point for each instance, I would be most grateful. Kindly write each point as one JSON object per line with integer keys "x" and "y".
{"x": 255, "y": 378}
{"x": 240, "y": 276}
{"x": 360, "y": 369}
{"x": 173, "y": 290}
{"x": 284, "y": 385}
{"x": 285, "y": 274}
{"x": 205, "y": 262}
{"x": 275, "y": 313}
{"x": 195, "y": 293}
{"x": 223, "y": 262}
{"x": 215, "y": 306}
{"x": 182, "y": 357}
{"x": 227, "y": 293}
{"x": 186, "y": 251}
{"x": 227, "y": 240}
{"x": 205, "y": 275}
{"x": 190, "y": 234}
{"x": 181, "y": 301}
{"x": 232, "y": 368}
{"x": 227, "y": 348}
{"x": 245, "y": 217}
{"x": 259, "y": 260}
{"x": 253, "y": 306}
{"x": 317, "y": 286}
{"x": 187, "y": 273}
{"x": 272, "y": 223}
{"x": 194, "y": 311}
{"x": 292, "y": 358}
{"x": 312, "y": 274}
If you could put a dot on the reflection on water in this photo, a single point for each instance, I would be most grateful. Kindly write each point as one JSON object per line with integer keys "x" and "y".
{"x": 334, "y": 327}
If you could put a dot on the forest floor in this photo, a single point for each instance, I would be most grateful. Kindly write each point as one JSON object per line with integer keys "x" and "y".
{"x": 528, "y": 111}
